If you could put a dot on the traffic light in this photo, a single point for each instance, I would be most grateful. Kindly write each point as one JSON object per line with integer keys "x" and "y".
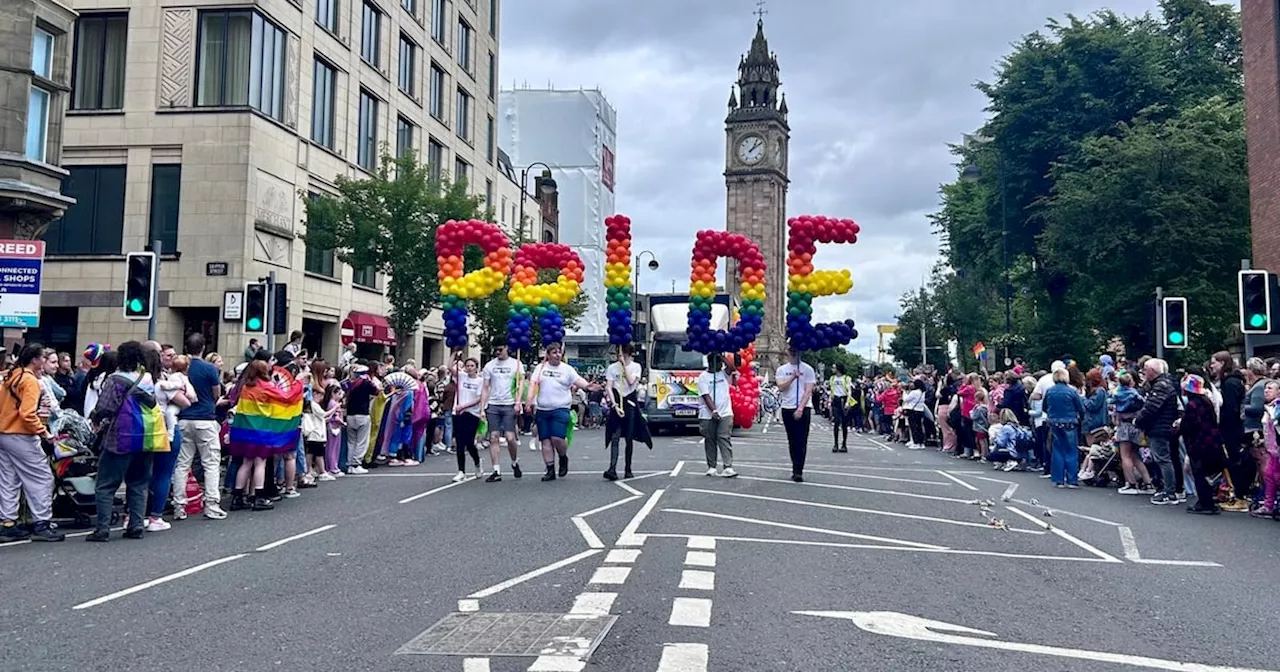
{"x": 1255, "y": 302}
{"x": 1175, "y": 330}
{"x": 280, "y": 309}
{"x": 255, "y": 308}
{"x": 139, "y": 285}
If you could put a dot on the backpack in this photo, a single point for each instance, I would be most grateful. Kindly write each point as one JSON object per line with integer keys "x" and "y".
{"x": 139, "y": 424}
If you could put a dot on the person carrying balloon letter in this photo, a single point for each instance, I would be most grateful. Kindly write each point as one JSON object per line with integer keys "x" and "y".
{"x": 715, "y": 415}
{"x": 622, "y": 380}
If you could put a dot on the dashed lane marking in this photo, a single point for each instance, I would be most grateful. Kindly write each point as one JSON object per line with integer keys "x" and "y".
{"x": 475, "y": 665}
{"x": 700, "y": 559}
{"x": 692, "y": 612}
{"x": 697, "y": 579}
{"x": 155, "y": 582}
{"x": 468, "y": 606}
{"x": 622, "y": 556}
{"x": 684, "y": 658}
{"x": 593, "y": 603}
{"x": 611, "y": 575}
{"x": 702, "y": 543}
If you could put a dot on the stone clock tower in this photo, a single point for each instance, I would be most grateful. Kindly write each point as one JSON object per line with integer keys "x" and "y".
{"x": 756, "y": 139}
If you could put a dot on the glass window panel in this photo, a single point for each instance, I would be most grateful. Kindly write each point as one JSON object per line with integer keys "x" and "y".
{"x": 37, "y": 139}
{"x": 42, "y": 53}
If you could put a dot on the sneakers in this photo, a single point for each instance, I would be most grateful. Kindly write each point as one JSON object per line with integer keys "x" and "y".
{"x": 99, "y": 535}
{"x": 157, "y": 525}
{"x": 359, "y": 470}
{"x": 47, "y": 531}
{"x": 1181, "y": 497}
{"x": 564, "y": 466}
{"x": 13, "y": 532}
{"x": 729, "y": 473}
{"x": 437, "y": 447}
{"x": 493, "y": 478}
{"x": 459, "y": 477}
{"x": 533, "y": 445}
{"x": 1129, "y": 489}
{"x": 479, "y": 472}
{"x": 1261, "y": 512}
{"x": 1235, "y": 506}
{"x": 515, "y": 470}
{"x": 135, "y": 533}
{"x": 214, "y": 512}
{"x": 326, "y": 476}
{"x": 411, "y": 462}
{"x": 712, "y": 472}
{"x": 395, "y": 462}
{"x": 1009, "y": 466}
{"x": 292, "y": 493}
{"x": 1162, "y": 499}
{"x": 179, "y": 512}
{"x": 1147, "y": 489}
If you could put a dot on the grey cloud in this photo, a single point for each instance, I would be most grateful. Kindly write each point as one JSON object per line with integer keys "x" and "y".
{"x": 876, "y": 91}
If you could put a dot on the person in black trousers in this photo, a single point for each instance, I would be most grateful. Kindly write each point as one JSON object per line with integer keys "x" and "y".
{"x": 796, "y": 381}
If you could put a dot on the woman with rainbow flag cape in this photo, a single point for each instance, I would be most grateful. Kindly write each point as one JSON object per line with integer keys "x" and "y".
{"x": 395, "y": 431}
{"x": 130, "y": 428}
{"x": 267, "y": 423}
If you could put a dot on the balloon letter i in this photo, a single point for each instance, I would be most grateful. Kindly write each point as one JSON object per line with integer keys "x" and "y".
{"x": 617, "y": 279}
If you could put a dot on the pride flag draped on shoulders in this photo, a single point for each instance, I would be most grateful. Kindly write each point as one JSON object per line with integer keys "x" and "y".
{"x": 268, "y": 416}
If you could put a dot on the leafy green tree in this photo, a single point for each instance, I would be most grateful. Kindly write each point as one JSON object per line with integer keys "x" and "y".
{"x": 854, "y": 364}
{"x": 489, "y": 317}
{"x": 919, "y": 309}
{"x": 388, "y": 221}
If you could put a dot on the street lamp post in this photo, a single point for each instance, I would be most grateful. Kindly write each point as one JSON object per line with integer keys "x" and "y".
{"x": 970, "y": 174}
{"x": 547, "y": 186}
{"x": 635, "y": 285}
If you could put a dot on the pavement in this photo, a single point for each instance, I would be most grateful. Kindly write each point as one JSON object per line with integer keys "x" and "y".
{"x": 883, "y": 559}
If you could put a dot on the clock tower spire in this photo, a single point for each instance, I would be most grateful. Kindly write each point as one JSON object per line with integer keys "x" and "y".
{"x": 756, "y": 140}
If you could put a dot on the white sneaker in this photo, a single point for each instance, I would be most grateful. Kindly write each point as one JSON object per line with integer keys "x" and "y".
{"x": 292, "y": 494}
{"x": 533, "y": 445}
{"x": 157, "y": 525}
{"x": 460, "y": 477}
{"x": 479, "y": 473}
{"x": 180, "y": 512}
{"x": 712, "y": 472}
{"x": 326, "y": 476}
{"x": 214, "y": 512}
{"x": 729, "y": 472}
{"x": 438, "y": 447}
{"x": 1010, "y": 466}
{"x": 337, "y": 474}
{"x": 357, "y": 470}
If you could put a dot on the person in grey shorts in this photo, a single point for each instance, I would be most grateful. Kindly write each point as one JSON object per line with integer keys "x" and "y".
{"x": 503, "y": 375}
{"x": 715, "y": 415}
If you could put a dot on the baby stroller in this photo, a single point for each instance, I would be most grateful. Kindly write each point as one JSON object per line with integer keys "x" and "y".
{"x": 1099, "y": 463}
{"x": 75, "y": 469}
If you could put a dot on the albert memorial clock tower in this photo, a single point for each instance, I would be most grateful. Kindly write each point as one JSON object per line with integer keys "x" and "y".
{"x": 756, "y": 138}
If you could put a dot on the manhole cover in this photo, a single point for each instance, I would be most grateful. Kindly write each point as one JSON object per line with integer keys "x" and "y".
{"x": 509, "y": 634}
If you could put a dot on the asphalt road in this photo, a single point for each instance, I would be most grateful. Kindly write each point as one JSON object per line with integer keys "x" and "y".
{"x": 673, "y": 571}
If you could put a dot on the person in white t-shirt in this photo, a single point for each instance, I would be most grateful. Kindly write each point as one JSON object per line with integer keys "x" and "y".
{"x": 715, "y": 415}
{"x": 1040, "y": 427}
{"x": 552, "y": 394}
{"x": 466, "y": 416}
{"x": 795, "y": 381}
{"x": 622, "y": 381}
{"x": 500, "y": 400}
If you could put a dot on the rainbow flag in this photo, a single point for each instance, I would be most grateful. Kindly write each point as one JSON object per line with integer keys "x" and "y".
{"x": 979, "y": 350}
{"x": 140, "y": 424}
{"x": 268, "y": 419}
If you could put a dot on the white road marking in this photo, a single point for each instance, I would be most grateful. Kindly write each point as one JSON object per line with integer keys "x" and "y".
{"x": 624, "y": 486}
{"x": 648, "y": 475}
{"x": 475, "y": 665}
{"x": 697, "y": 579}
{"x": 282, "y": 542}
{"x": 854, "y": 509}
{"x": 805, "y": 528}
{"x": 676, "y": 471}
{"x": 867, "y": 476}
{"x": 883, "y": 446}
{"x": 615, "y": 576}
{"x": 593, "y": 603}
{"x": 629, "y": 536}
{"x": 622, "y": 556}
{"x": 1131, "y": 554}
{"x": 1129, "y": 543}
{"x": 859, "y": 467}
{"x": 433, "y": 491}
{"x": 1082, "y": 544}
{"x": 946, "y": 475}
{"x": 451, "y": 474}
{"x": 852, "y": 488}
{"x": 1058, "y": 511}
{"x": 700, "y": 559}
{"x": 499, "y": 587}
{"x": 900, "y": 549}
{"x": 922, "y": 629}
{"x": 468, "y": 606}
{"x": 1008, "y": 492}
{"x": 155, "y": 582}
{"x": 684, "y": 658}
{"x": 588, "y": 534}
{"x": 557, "y": 664}
{"x": 702, "y": 543}
{"x": 606, "y": 507}
{"x": 694, "y": 612}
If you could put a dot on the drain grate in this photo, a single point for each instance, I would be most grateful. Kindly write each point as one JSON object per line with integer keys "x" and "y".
{"x": 512, "y": 634}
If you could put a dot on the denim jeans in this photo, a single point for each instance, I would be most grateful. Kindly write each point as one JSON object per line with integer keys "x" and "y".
{"x": 1065, "y": 459}
{"x": 162, "y": 465}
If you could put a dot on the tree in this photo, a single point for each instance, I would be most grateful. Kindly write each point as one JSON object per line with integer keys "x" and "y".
{"x": 388, "y": 222}
{"x": 854, "y": 364}
{"x": 919, "y": 308}
{"x": 489, "y": 317}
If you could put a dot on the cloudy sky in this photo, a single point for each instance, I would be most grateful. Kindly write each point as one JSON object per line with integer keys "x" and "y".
{"x": 876, "y": 90}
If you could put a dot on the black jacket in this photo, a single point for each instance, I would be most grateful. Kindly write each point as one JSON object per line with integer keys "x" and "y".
{"x": 1231, "y": 424}
{"x": 1159, "y": 408}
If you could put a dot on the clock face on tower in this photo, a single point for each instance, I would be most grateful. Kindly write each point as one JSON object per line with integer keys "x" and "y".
{"x": 751, "y": 150}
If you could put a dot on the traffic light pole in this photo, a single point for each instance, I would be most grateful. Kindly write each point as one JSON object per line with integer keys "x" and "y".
{"x": 270, "y": 320}
{"x": 156, "y": 247}
{"x": 1246, "y": 265}
{"x": 1159, "y": 322}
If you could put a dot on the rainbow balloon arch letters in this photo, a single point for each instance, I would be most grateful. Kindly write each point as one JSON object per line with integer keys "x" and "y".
{"x": 531, "y": 300}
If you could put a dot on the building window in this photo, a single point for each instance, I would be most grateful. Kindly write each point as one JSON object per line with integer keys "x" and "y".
{"x": 464, "y": 45}
{"x": 461, "y": 170}
{"x": 365, "y": 277}
{"x": 95, "y": 224}
{"x": 166, "y": 190}
{"x": 98, "y": 80}
{"x": 548, "y": 237}
{"x": 493, "y": 76}
{"x": 489, "y": 144}
{"x": 404, "y": 136}
{"x": 464, "y": 115}
{"x": 410, "y": 6}
{"x": 371, "y": 35}
{"x": 327, "y": 15}
{"x": 241, "y": 62}
{"x": 439, "y": 19}
{"x": 367, "y": 136}
{"x": 408, "y": 66}
{"x": 323, "y": 100}
{"x": 493, "y": 18}
{"x": 488, "y": 193}
{"x": 435, "y": 159}
{"x": 437, "y": 92}
{"x": 318, "y": 261}
{"x": 38, "y": 101}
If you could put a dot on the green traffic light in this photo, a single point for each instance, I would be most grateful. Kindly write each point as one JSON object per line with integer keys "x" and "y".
{"x": 1257, "y": 320}
{"x": 135, "y": 305}
{"x": 1175, "y": 337}
{"x": 254, "y": 324}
